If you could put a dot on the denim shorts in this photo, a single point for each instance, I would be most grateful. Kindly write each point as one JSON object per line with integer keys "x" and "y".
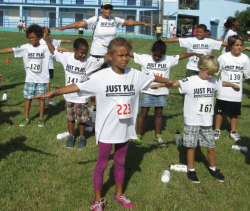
{"x": 31, "y": 88}
{"x": 203, "y": 134}
{"x": 148, "y": 100}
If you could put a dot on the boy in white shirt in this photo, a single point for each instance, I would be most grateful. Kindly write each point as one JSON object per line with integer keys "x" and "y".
{"x": 76, "y": 65}
{"x": 199, "y": 44}
{"x": 198, "y": 113}
{"x": 35, "y": 60}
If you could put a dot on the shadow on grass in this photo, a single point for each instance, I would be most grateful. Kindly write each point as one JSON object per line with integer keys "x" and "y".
{"x": 225, "y": 124}
{"x": 134, "y": 158}
{"x": 10, "y": 86}
{"x": 149, "y": 122}
{"x": 50, "y": 110}
{"x": 17, "y": 144}
{"x": 5, "y": 116}
{"x": 245, "y": 141}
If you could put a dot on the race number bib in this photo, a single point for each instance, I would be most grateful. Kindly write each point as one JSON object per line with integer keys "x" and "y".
{"x": 72, "y": 79}
{"x": 234, "y": 77}
{"x": 157, "y": 73}
{"x": 124, "y": 109}
{"x": 205, "y": 108}
{"x": 35, "y": 66}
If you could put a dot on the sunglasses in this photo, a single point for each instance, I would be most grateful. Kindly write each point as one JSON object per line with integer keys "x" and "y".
{"x": 108, "y": 7}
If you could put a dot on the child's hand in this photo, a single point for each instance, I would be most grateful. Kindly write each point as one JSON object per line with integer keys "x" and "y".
{"x": 69, "y": 42}
{"x": 1, "y": 79}
{"x": 169, "y": 84}
{"x": 236, "y": 87}
{"x": 46, "y": 33}
{"x": 199, "y": 55}
{"x": 246, "y": 48}
{"x": 46, "y": 95}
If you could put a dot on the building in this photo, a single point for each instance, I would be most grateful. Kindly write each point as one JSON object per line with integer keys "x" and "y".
{"x": 54, "y": 13}
{"x": 213, "y": 13}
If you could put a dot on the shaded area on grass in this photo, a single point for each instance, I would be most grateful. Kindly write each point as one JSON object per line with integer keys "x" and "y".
{"x": 17, "y": 144}
{"x": 10, "y": 86}
{"x": 5, "y": 116}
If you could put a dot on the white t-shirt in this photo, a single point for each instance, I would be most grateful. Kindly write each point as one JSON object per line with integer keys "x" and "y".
{"x": 35, "y": 61}
{"x": 105, "y": 31}
{"x": 55, "y": 43}
{"x": 232, "y": 69}
{"x": 229, "y": 33}
{"x": 80, "y": 29}
{"x": 116, "y": 95}
{"x": 199, "y": 100}
{"x": 204, "y": 46}
{"x": 75, "y": 70}
{"x": 161, "y": 69}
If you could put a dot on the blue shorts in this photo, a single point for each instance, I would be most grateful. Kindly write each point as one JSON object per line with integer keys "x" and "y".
{"x": 31, "y": 88}
{"x": 203, "y": 134}
{"x": 148, "y": 100}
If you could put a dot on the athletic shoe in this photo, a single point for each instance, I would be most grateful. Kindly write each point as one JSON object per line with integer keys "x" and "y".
{"x": 192, "y": 176}
{"x": 98, "y": 205}
{"x": 71, "y": 141}
{"x": 216, "y": 174}
{"x": 40, "y": 123}
{"x": 50, "y": 102}
{"x": 124, "y": 201}
{"x": 217, "y": 134}
{"x": 248, "y": 32}
{"x": 138, "y": 142}
{"x": 81, "y": 142}
{"x": 235, "y": 135}
{"x": 24, "y": 122}
{"x": 159, "y": 140}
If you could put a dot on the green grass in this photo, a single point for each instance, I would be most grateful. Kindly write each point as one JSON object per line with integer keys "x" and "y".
{"x": 38, "y": 172}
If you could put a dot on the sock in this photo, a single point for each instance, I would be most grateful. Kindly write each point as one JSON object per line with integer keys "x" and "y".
{"x": 233, "y": 131}
{"x": 191, "y": 169}
{"x": 212, "y": 168}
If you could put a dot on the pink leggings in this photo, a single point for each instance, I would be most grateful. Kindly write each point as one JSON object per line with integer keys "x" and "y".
{"x": 102, "y": 163}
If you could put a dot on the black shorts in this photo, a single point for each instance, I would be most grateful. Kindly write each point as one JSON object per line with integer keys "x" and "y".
{"x": 158, "y": 34}
{"x": 51, "y": 73}
{"x": 227, "y": 108}
{"x": 81, "y": 32}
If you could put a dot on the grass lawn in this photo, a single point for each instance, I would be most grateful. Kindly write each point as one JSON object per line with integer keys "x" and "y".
{"x": 37, "y": 171}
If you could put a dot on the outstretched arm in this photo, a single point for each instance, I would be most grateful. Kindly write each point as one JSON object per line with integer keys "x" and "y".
{"x": 176, "y": 39}
{"x": 186, "y": 55}
{"x": 234, "y": 86}
{"x": 6, "y": 50}
{"x": 224, "y": 44}
{"x": 64, "y": 90}
{"x": 60, "y": 48}
{"x": 80, "y": 24}
{"x": 66, "y": 41}
{"x": 48, "y": 41}
{"x": 136, "y": 23}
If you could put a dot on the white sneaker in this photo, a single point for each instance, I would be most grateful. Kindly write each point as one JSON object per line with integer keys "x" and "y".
{"x": 159, "y": 140}
{"x": 217, "y": 134}
{"x": 235, "y": 136}
{"x": 248, "y": 32}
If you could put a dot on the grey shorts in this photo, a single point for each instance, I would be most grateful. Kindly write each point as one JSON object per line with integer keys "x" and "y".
{"x": 203, "y": 134}
{"x": 77, "y": 112}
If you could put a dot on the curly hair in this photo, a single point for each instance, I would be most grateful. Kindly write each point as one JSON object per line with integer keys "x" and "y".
{"x": 117, "y": 42}
{"x": 36, "y": 29}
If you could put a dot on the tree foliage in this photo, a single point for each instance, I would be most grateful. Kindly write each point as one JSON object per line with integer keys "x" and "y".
{"x": 184, "y": 4}
{"x": 244, "y": 19}
{"x": 245, "y": 1}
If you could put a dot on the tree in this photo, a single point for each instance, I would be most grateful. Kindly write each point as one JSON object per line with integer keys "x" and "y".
{"x": 244, "y": 19}
{"x": 184, "y": 4}
{"x": 245, "y": 1}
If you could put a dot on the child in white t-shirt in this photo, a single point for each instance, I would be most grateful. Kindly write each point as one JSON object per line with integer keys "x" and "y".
{"x": 232, "y": 24}
{"x": 198, "y": 113}
{"x": 233, "y": 65}
{"x": 76, "y": 65}
{"x": 35, "y": 60}
{"x": 156, "y": 64}
{"x": 199, "y": 44}
{"x": 56, "y": 44}
{"x": 117, "y": 93}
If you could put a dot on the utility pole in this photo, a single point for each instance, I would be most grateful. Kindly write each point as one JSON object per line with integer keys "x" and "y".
{"x": 161, "y": 13}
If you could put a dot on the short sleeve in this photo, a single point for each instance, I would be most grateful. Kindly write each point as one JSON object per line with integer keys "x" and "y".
{"x": 184, "y": 85}
{"x": 19, "y": 51}
{"x": 173, "y": 60}
{"x": 91, "y": 22}
{"x": 184, "y": 42}
{"x": 61, "y": 56}
{"x": 247, "y": 69}
{"x": 139, "y": 58}
{"x": 145, "y": 80}
{"x": 119, "y": 22}
{"x": 216, "y": 45}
